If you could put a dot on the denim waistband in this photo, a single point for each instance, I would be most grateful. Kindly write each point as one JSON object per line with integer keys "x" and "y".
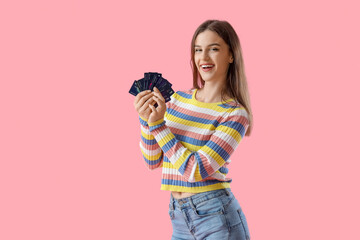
{"x": 200, "y": 197}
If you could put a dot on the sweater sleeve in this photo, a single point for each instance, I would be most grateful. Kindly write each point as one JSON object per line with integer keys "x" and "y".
{"x": 150, "y": 149}
{"x": 198, "y": 165}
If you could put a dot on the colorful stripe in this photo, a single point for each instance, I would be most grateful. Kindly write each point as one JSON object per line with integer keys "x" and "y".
{"x": 193, "y": 143}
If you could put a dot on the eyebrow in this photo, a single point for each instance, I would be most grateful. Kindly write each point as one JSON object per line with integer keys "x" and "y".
{"x": 209, "y": 45}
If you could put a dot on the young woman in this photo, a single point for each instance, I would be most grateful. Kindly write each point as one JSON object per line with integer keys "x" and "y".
{"x": 192, "y": 137}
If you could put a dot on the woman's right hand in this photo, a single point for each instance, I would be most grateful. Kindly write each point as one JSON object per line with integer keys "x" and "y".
{"x": 142, "y": 102}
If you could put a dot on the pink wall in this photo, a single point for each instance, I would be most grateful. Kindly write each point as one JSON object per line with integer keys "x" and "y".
{"x": 70, "y": 163}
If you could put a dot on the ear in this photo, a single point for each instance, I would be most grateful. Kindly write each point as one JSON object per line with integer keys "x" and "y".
{"x": 231, "y": 59}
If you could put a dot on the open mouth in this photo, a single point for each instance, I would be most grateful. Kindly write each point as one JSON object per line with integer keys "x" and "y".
{"x": 207, "y": 67}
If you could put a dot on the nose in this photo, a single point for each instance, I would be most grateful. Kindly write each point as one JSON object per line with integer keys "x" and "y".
{"x": 204, "y": 55}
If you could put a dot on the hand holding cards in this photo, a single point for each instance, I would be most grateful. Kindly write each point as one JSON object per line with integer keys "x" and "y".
{"x": 151, "y": 80}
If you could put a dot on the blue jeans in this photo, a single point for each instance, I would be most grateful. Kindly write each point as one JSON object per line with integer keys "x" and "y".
{"x": 208, "y": 215}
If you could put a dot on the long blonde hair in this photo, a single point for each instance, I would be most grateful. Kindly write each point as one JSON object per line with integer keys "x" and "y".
{"x": 236, "y": 85}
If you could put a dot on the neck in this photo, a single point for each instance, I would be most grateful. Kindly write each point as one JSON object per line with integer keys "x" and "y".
{"x": 211, "y": 92}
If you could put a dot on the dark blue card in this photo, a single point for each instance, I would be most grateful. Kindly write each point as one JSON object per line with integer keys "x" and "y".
{"x": 134, "y": 90}
{"x": 151, "y": 80}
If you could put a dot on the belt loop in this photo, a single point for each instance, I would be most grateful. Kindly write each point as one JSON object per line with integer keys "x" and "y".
{"x": 191, "y": 203}
{"x": 172, "y": 206}
{"x": 227, "y": 192}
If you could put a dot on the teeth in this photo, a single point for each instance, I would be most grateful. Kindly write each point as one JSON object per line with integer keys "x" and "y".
{"x": 204, "y": 66}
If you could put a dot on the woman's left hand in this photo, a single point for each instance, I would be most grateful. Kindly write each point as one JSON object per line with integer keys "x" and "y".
{"x": 158, "y": 112}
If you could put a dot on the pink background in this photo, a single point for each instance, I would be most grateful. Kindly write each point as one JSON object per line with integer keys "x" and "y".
{"x": 70, "y": 163}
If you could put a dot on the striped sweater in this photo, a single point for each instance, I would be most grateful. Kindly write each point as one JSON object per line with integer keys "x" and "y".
{"x": 194, "y": 142}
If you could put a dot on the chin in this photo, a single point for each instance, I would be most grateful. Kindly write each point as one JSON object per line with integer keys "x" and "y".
{"x": 206, "y": 79}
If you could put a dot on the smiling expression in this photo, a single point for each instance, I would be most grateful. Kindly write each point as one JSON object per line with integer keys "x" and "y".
{"x": 211, "y": 56}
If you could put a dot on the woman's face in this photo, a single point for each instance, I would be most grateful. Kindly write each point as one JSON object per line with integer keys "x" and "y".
{"x": 210, "y": 49}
